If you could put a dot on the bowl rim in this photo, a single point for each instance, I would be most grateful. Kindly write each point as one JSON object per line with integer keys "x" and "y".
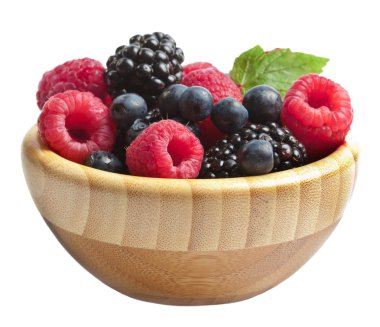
{"x": 36, "y": 150}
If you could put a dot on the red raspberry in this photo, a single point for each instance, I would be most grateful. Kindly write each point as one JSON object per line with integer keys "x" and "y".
{"x": 165, "y": 149}
{"x": 81, "y": 74}
{"x": 209, "y": 133}
{"x": 220, "y": 86}
{"x": 195, "y": 66}
{"x": 318, "y": 111}
{"x": 74, "y": 124}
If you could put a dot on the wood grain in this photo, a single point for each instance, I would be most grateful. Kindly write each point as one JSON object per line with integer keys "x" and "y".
{"x": 191, "y": 277}
{"x": 194, "y": 221}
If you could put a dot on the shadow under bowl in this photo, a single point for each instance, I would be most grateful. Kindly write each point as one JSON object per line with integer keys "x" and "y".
{"x": 189, "y": 242}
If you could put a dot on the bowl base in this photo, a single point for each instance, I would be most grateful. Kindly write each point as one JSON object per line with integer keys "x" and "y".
{"x": 190, "y": 277}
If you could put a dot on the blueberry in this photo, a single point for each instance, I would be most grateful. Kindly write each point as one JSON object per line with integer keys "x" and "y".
{"x": 195, "y": 103}
{"x": 105, "y": 161}
{"x": 256, "y": 157}
{"x": 229, "y": 115}
{"x": 126, "y": 108}
{"x": 135, "y": 130}
{"x": 263, "y": 103}
{"x": 168, "y": 101}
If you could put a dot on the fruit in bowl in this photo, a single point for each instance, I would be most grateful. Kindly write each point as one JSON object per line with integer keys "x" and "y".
{"x": 190, "y": 186}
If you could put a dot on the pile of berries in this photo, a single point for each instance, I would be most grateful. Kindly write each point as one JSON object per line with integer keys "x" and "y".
{"x": 146, "y": 115}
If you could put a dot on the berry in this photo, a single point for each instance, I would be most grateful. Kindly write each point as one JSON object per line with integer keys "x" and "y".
{"x": 195, "y": 103}
{"x": 140, "y": 124}
{"x": 191, "y": 126}
{"x": 74, "y": 124}
{"x": 135, "y": 130}
{"x": 196, "y": 66}
{"x": 126, "y": 108}
{"x": 120, "y": 145}
{"x": 263, "y": 103}
{"x": 169, "y": 100}
{"x": 165, "y": 149}
{"x": 146, "y": 66}
{"x": 210, "y": 134}
{"x": 221, "y": 160}
{"x": 220, "y": 86}
{"x": 318, "y": 111}
{"x": 229, "y": 115}
{"x": 80, "y": 74}
{"x": 256, "y": 157}
{"x": 106, "y": 161}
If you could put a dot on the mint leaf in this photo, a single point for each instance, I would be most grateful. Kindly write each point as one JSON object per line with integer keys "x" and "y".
{"x": 278, "y": 68}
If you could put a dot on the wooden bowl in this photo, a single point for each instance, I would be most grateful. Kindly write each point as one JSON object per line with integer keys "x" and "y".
{"x": 189, "y": 242}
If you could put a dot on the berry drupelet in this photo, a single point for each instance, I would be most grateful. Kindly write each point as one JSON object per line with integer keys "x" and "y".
{"x": 146, "y": 66}
{"x": 221, "y": 160}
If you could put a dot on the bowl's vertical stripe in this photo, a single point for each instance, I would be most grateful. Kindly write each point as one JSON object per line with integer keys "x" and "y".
{"x": 310, "y": 201}
{"x": 235, "y": 215}
{"x": 142, "y": 217}
{"x": 175, "y": 217}
{"x": 33, "y": 170}
{"x": 330, "y": 188}
{"x": 262, "y": 213}
{"x": 206, "y": 217}
{"x": 347, "y": 177}
{"x": 287, "y": 208}
{"x": 65, "y": 201}
{"x": 107, "y": 210}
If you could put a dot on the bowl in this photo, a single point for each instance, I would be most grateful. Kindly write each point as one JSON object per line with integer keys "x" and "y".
{"x": 189, "y": 242}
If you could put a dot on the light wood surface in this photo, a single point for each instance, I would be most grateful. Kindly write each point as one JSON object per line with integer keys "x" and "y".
{"x": 189, "y": 241}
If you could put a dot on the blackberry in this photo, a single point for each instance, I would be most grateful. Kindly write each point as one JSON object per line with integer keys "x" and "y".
{"x": 221, "y": 160}
{"x": 146, "y": 66}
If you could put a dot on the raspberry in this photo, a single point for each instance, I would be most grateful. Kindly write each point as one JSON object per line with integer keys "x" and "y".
{"x": 74, "y": 124}
{"x": 196, "y": 66}
{"x": 165, "y": 149}
{"x": 220, "y": 86}
{"x": 318, "y": 111}
{"x": 80, "y": 74}
{"x": 210, "y": 134}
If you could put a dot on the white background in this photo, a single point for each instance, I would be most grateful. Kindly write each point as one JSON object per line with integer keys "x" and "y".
{"x": 41, "y": 285}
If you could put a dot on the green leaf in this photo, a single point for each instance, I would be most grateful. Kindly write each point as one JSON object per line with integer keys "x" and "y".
{"x": 278, "y": 68}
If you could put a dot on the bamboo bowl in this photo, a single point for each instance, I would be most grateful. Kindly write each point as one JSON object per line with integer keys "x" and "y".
{"x": 189, "y": 242}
